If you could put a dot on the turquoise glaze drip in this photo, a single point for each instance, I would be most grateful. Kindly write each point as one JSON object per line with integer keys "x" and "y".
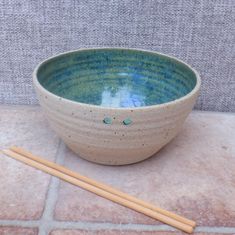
{"x": 117, "y": 77}
{"x": 107, "y": 120}
{"x": 127, "y": 121}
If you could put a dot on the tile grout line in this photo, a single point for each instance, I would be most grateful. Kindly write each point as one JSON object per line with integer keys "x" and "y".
{"x": 133, "y": 227}
{"x": 20, "y": 223}
{"x": 47, "y": 222}
{"x": 110, "y": 226}
{"x": 51, "y": 198}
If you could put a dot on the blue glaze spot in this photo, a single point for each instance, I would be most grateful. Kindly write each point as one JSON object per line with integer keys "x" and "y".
{"x": 107, "y": 120}
{"x": 127, "y": 121}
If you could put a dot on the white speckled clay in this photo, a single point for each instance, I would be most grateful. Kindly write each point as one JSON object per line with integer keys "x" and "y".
{"x": 130, "y": 132}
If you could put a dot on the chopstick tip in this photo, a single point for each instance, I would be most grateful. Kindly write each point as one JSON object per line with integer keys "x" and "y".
{"x": 13, "y": 147}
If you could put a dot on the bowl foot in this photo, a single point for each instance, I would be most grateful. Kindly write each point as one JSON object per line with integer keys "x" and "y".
{"x": 110, "y": 157}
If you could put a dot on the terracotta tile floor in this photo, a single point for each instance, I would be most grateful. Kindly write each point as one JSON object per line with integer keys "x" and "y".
{"x": 194, "y": 176}
{"x": 117, "y": 232}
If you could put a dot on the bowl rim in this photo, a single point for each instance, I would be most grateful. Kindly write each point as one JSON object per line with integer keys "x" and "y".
{"x": 193, "y": 92}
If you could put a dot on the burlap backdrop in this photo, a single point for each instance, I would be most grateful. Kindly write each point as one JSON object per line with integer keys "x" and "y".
{"x": 200, "y": 32}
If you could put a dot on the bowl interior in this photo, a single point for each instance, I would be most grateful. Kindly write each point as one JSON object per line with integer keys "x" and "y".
{"x": 116, "y": 77}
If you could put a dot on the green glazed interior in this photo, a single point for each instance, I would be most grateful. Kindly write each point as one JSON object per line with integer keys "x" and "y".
{"x": 116, "y": 77}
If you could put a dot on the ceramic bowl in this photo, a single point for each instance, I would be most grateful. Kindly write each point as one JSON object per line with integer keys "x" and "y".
{"x": 116, "y": 106}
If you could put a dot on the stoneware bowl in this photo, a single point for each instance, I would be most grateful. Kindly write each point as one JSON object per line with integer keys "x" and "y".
{"x": 116, "y": 106}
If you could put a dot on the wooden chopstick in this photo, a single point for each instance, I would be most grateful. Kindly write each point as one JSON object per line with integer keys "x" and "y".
{"x": 101, "y": 192}
{"x": 102, "y": 186}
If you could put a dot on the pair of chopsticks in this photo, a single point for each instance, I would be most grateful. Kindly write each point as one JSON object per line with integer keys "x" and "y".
{"x": 101, "y": 189}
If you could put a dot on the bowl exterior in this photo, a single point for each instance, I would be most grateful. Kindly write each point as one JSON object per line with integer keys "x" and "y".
{"x": 83, "y": 129}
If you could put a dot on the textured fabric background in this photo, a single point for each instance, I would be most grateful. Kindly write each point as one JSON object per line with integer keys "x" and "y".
{"x": 200, "y": 32}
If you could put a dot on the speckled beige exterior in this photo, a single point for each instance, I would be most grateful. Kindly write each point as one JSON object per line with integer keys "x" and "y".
{"x": 82, "y": 129}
